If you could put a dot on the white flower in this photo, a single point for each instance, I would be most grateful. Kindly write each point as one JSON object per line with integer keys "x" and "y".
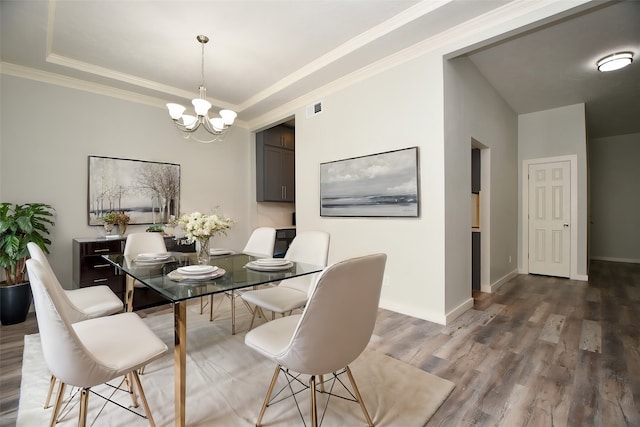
{"x": 197, "y": 225}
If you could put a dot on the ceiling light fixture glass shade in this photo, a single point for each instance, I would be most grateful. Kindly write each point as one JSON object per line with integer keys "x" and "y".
{"x": 201, "y": 127}
{"x": 615, "y": 61}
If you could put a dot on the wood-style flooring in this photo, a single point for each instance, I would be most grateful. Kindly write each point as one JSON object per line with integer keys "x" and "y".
{"x": 541, "y": 351}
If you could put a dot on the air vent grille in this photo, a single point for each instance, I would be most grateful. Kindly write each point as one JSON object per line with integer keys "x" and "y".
{"x": 314, "y": 109}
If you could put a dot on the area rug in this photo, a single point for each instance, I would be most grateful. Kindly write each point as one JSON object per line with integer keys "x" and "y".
{"x": 227, "y": 381}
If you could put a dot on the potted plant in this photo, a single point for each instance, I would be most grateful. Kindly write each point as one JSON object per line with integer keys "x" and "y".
{"x": 19, "y": 225}
{"x": 119, "y": 218}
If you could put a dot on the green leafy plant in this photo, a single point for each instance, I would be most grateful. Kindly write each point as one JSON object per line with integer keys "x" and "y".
{"x": 118, "y": 218}
{"x": 19, "y": 225}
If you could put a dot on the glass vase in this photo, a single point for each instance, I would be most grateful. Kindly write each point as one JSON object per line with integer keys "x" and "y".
{"x": 202, "y": 249}
{"x": 108, "y": 228}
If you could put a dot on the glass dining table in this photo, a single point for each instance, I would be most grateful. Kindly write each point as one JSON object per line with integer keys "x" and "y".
{"x": 175, "y": 276}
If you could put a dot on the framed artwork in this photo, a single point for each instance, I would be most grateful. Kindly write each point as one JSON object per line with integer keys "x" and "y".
{"x": 149, "y": 192}
{"x": 377, "y": 185}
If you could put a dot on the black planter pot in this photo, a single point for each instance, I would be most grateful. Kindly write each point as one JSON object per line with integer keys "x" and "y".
{"x": 14, "y": 303}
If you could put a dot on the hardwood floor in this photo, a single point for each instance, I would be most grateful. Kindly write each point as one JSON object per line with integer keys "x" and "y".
{"x": 542, "y": 351}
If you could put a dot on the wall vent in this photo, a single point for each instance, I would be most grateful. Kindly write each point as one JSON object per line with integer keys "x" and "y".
{"x": 314, "y": 109}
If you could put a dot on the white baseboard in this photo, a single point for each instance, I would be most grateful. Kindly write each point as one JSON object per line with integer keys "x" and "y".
{"x": 581, "y": 277}
{"x": 457, "y": 312}
{"x": 628, "y": 260}
{"x": 410, "y": 311}
{"x": 496, "y": 285}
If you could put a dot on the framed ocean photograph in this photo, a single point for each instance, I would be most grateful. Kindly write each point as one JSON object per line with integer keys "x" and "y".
{"x": 376, "y": 185}
{"x": 148, "y": 192}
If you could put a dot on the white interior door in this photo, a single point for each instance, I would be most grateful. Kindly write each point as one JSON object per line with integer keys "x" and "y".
{"x": 549, "y": 218}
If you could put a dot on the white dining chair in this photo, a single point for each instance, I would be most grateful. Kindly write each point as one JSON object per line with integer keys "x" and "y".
{"x": 261, "y": 244}
{"x": 89, "y": 352}
{"x": 136, "y": 244}
{"x": 332, "y": 331}
{"x": 310, "y": 247}
{"x": 83, "y": 303}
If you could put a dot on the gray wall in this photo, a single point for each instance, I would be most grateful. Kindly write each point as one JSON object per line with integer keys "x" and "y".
{"x": 614, "y": 164}
{"x": 474, "y": 110}
{"x": 551, "y": 133}
{"x": 48, "y": 132}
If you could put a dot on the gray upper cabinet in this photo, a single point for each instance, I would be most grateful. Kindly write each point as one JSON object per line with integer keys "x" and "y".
{"x": 280, "y": 136}
{"x": 475, "y": 170}
{"x": 275, "y": 165}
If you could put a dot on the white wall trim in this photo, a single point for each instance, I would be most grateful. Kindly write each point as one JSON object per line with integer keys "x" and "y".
{"x": 10, "y": 69}
{"x": 492, "y": 288}
{"x": 458, "y": 311}
{"x": 580, "y": 277}
{"x": 407, "y": 311}
{"x": 614, "y": 259}
{"x": 573, "y": 161}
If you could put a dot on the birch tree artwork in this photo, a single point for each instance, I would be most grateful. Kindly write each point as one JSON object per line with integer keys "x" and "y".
{"x": 149, "y": 192}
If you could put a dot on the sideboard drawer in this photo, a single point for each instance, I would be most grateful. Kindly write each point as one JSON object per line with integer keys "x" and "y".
{"x": 99, "y": 248}
{"x": 96, "y": 267}
{"x": 90, "y": 268}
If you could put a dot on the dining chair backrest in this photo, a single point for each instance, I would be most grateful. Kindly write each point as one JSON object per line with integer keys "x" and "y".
{"x": 138, "y": 243}
{"x": 72, "y": 312}
{"x": 261, "y": 242}
{"x": 338, "y": 320}
{"x": 309, "y": 247}
{"x": 66, "y": 357}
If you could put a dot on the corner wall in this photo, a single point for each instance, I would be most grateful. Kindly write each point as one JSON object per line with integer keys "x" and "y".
{"x": 615, "y": 199}
{"x": 474, "y": 110}
{"x": 551, "y": 133}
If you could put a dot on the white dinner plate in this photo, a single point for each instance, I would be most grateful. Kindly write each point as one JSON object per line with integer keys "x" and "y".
{"x": 220, "y": 251}
{"x": 196, "y": 270}
{"x": 176, "y": 276}
{"x": 259, "y": 267}
{"x": 271, "y": 261}
{"x": 152, "y": 257}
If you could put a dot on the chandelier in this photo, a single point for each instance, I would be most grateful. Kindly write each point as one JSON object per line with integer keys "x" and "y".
{"x": 190, "y": 126}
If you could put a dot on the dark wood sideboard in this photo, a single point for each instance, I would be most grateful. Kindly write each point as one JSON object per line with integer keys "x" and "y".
{"x": 90, "y": 269}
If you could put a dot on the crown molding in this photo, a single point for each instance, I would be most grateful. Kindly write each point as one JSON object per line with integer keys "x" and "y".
{"x": 348, "y": 47}
{"x": 73, "y": 83}
{"x": 10, "y": 69}
{"x": 497, "y": 22}
{"x": 61, "y": 60}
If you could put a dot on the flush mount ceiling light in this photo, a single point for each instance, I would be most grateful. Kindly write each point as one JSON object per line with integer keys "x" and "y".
{"x": 200, "y": 127}
{"x": 615, "y": 61}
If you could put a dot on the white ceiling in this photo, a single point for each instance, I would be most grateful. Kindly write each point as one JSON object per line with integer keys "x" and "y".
{"x": 265, "y": 53}
{"x": 555, "y": 65}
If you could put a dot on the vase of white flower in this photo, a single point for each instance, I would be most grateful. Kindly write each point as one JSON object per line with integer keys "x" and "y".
{"x": 200, "y": 228}
{"x": 202, "y": 249}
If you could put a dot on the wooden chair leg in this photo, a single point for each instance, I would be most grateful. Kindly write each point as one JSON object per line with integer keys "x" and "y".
{"x": 268, "y": 396}
{"x": 84, "y": 404}
{"x": 57, "y": 405}
{"x": 233, "y": 313}
{"x": 359, "y": 397}
{"x": 143, "y": 398}
{"x": 52, "y": 384}
{"x": 132, "y": 390}
{"x": 253, "y": 318}
{"x": 314, "y": 410}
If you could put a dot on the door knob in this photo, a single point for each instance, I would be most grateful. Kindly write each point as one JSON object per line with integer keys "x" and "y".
{"x": 566, "y": 225}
